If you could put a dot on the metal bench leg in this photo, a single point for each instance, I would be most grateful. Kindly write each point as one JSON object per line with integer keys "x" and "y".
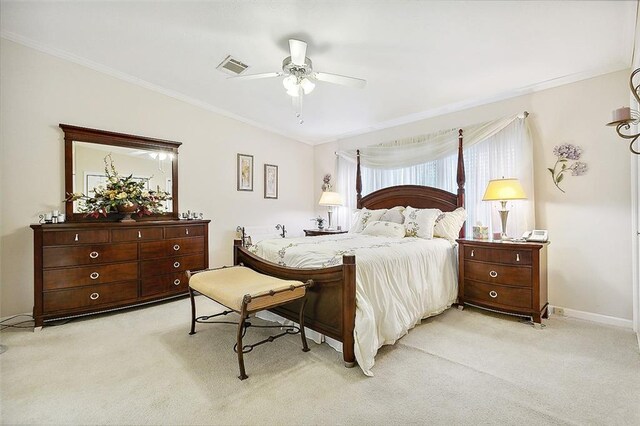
{"x": 243, "y": 374}
{"x": 193, "y": 312}
{"x": 305, "y": 348}
{"x": 239, "y": 348}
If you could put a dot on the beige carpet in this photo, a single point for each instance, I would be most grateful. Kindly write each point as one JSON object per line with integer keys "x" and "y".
{"x": 470, "y": 367}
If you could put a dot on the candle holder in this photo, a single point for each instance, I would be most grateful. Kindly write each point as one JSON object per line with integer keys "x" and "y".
{"x": 624, "y": 117}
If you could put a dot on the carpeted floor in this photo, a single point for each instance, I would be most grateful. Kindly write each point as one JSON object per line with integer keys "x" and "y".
{"x": 462, "y": 367}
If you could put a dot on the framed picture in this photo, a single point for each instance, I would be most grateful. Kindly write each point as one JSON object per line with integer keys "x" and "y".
{"x": 270, "y": 181}
{"x": 245, "y": 172}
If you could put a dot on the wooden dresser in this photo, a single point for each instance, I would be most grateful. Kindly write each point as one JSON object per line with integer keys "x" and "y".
{"x": 504, "y": 276}
{"x": 85, "y": 268}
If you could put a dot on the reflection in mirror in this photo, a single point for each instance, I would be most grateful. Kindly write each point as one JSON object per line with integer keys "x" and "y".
{"x": 142, "y": 163}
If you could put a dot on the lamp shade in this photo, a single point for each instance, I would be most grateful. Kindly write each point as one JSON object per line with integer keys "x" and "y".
{"x": 329, "y": 198}
{"x": 504, "y": 189}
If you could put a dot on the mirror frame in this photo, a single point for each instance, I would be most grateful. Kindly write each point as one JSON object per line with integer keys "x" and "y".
{"x": 103, "y": 137}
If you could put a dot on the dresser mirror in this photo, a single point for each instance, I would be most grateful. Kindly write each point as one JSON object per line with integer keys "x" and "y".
{"x": 152, "y": 160}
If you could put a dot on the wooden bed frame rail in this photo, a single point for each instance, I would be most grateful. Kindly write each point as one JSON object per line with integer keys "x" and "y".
{"x": 331, "y": 302}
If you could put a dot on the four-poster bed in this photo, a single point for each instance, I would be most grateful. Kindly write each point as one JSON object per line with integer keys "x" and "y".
{"x": 331, "y": 307}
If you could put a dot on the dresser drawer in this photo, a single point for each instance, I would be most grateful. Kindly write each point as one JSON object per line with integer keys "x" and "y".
{"x": 89, "y": 296}
{"x": 151, "y": 268}
{"x": 153, "y": 249}
{"x": 176, "y": 247}
{"x": 184, "y": 246}
{"x": 88, "y": 275}
{"x": 169, "y": 283}
{"x": 88, "y": 254}
{"x": 184, "y": 231}
{"x": 136, "y": 234}
{"x": 58, "y": 238}
{"x": 498, "y": 274}
{"x": 496, "y": 295}
{"x": 508, "y": 256}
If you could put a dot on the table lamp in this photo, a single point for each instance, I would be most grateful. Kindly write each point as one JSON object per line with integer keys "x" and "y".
{"x": 504, "y": 190}
{"x": 330, "y": 199}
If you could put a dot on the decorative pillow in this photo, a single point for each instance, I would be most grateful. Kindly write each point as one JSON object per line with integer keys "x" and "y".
{"x": 448, "y": 224}
{"x": 393, "y": 215}
{"x": 420, "y": 222}
{"x": 363, "y": 217}
{"x": 384, "y": 229}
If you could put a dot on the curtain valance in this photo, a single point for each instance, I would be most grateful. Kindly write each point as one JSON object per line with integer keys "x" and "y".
{"x": 421, "y": 149}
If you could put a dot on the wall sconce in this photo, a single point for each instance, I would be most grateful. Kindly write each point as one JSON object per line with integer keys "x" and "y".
{"x": 624, "y": 117}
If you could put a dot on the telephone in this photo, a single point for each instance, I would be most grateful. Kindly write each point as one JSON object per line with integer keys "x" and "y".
{"x": 537, "y": 235}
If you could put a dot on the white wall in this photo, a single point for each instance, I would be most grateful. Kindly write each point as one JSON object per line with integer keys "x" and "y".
{"x": 39, "y": 91}
{"x": 589, "y": 226}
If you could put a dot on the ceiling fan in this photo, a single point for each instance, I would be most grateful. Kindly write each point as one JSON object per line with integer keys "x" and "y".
{"x": 300, "y": 77}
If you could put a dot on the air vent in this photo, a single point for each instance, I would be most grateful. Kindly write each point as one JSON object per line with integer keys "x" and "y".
{"x": 232, "y": 66}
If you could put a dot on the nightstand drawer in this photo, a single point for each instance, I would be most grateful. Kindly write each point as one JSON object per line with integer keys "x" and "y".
{"x": 510, "y": 257}
{"x": 498, "y": 274}
{"x": 498, "y": 296}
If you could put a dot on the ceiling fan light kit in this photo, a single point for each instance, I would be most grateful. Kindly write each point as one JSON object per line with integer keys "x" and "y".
{"x": 299, "y": 76}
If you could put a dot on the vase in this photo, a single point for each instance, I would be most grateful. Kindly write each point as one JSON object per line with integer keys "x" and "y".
{"x": 127, "y": 211}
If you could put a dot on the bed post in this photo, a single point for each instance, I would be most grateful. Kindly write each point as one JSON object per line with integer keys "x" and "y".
{"x": 358, "y": 181}
{"x": 236, "y": 244}
{"x": 460, "y": 176}
{"x": 348, "y": 309}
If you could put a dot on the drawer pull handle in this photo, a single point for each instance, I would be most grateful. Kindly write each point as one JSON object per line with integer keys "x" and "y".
{"x": 493, "y": 274}
{"x": 517, "y": 257}
{"x": 176, "y": 247}
{"x": 472, "y": 253}
{"x": 176, "y": 264}
{"x": 94, "y": 296}
{"x": 94, "y": 275}
{"x": 493, "y": 294}
{"x": 94, "y": 254}
{"x": 176, "y": 282}
{"x": 139, "y": 234}
{"x": 187, "y": 231}
{"x": 76, "y": 238}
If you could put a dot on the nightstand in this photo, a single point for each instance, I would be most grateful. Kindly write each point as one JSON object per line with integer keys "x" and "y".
{"x": 504, "y": 276}
{"x": 314, "y": 232}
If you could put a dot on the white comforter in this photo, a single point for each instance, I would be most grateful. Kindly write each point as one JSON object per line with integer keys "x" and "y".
{"x": 399, "y": 281}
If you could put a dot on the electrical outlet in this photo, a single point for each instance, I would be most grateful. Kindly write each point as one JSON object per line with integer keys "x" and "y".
{"x": 558, "y": 311}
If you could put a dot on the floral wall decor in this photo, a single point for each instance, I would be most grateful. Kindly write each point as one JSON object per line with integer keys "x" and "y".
{"x": 565, "y": 153}
{"x": 326, "y": 182}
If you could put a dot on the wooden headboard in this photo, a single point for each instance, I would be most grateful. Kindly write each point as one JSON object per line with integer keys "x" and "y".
{"x": 414, "y": 195}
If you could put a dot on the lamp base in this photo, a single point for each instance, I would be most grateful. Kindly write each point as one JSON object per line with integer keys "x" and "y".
{"x": 330, "y": 222}
{"x": 503, "y": 219}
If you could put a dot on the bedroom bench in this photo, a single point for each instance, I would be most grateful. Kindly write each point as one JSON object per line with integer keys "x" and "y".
{"x": 245, "y": 291}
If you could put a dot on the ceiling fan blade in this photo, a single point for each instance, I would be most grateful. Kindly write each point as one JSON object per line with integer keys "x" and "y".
{"x": 298, "y": 51}
{"x": 256, "y": 76}
{"x": 340, "y": 79}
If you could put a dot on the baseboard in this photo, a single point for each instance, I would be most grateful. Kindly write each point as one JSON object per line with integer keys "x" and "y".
{"x": 589, "y": 316}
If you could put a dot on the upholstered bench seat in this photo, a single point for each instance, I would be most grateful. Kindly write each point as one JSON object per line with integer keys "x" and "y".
{"x": 228, "y": 286}
{"x": 246, "y": 291}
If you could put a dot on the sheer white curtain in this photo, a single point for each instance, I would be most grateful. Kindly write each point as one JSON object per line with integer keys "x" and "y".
{"x": 500, "y": 148}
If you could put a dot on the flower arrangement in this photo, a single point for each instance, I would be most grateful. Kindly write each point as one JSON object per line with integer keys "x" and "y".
{"x": 121, "y": 192}
{"x": 319, "y": 221}
{"x": 566, "y": 152}
{"x": 326, "y": 182}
